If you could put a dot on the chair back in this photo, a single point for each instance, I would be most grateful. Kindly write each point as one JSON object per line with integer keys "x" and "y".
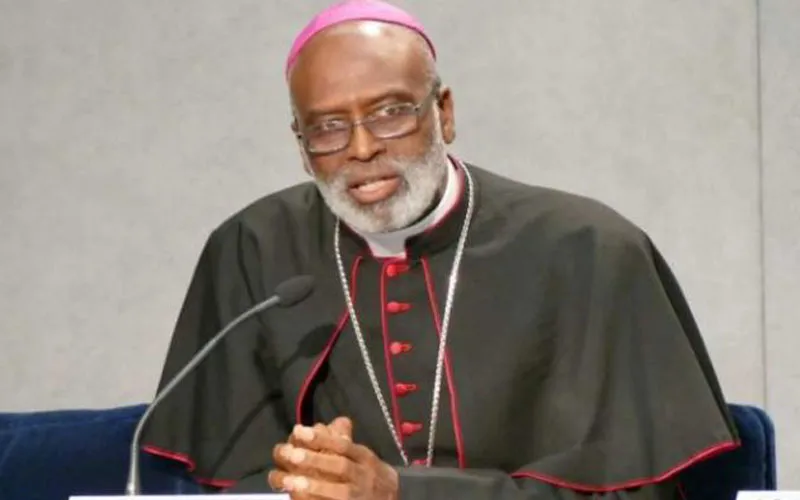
{"x": 750, "y": 467}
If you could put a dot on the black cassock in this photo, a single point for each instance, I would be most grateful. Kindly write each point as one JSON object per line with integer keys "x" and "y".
{"x": 574, "y": 366}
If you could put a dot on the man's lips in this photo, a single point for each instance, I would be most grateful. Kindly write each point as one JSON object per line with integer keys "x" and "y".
{"x": 374, "y": 189}
{"x": 361, "y": 181}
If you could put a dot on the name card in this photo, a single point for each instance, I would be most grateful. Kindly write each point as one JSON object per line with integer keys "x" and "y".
{"x": 768, "y": 495}
{"x": 233, "y": 496}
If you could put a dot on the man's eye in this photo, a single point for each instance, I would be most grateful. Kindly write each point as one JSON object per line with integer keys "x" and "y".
{"x": 394, "y": 110}
{"x": 332, "y": 126}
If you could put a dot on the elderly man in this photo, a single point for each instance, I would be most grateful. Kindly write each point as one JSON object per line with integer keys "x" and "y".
{"x": 470, "y": 337}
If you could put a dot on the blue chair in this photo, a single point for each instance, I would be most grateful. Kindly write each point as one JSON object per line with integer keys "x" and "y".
{"x": 51, "y": 455}
{"x": 54, "y": 454}
{"x": 750, "y": 467}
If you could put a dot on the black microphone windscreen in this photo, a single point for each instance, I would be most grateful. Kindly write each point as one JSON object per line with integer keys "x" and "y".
{"x": 293, "y": 290}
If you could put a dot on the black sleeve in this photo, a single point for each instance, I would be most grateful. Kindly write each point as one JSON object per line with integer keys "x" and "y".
{"x": 224, "y": 418}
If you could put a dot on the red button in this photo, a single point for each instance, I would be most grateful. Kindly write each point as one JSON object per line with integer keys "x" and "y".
{"x": 409, "y": 428}
{"x": 399, "y": 348}
{"x": 403, "y": 389}
{"x": 420, "y": 461}
{"x": 396, "y": 268}
{"x": 396, "y": 307}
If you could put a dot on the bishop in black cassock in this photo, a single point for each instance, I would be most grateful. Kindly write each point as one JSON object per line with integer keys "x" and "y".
{"x": 482, "y": 338}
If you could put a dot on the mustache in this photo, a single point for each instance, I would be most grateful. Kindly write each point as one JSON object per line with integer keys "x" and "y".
{"x": 354, "y": 174}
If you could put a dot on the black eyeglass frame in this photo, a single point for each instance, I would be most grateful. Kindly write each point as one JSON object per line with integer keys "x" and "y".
{"x": 402, "y": 110}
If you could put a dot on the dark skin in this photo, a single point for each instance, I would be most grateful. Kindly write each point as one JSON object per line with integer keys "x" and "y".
{"x": 348, "y": 72}
{"x": 322, "y": 462}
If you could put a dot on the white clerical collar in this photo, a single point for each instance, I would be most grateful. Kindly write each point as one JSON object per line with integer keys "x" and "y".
{"x": 393, "y": 244}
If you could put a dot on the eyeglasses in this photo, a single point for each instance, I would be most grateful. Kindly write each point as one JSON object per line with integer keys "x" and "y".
{"x": 389, "y": 122}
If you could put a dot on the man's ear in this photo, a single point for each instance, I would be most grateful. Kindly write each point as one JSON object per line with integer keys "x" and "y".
{"x": 447, "y": 114}
{"x": 301, "y": 147}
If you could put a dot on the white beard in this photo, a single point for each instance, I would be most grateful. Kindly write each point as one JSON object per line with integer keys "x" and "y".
{"x": 421, "y": 180}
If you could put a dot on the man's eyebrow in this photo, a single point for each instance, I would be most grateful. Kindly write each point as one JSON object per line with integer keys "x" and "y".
{"x": 396, "y": 95}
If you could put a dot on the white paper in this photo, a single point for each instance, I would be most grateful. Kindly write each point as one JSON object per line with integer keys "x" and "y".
{"x": 768, "y": 495}
{"x": 228, "y": 496}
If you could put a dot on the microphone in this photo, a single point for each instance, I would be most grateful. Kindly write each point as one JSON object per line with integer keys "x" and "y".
{"x": 287, "y": 294}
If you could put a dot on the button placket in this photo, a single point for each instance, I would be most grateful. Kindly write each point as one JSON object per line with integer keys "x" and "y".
{"x": 396, "y": 290}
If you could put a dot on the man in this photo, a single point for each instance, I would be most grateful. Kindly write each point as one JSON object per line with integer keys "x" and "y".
{"x": 469, "y": 337}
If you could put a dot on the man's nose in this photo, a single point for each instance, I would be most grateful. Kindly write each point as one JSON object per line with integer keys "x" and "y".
{"x": 363, "y": 145}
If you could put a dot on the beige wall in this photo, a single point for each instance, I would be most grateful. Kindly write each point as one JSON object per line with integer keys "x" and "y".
{"x": 780, "y": 117}
{"x": 129, "y": 130}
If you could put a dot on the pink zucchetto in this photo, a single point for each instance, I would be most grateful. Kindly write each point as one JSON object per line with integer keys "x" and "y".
{"x": 355, "y": 10}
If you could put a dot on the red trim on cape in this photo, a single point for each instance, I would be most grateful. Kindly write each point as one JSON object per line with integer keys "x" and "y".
{"x": 329, "y": 346}
{"x": 633, "y": 483}
{"x": 462, "y": 461}
{"x": 190, "y": 465}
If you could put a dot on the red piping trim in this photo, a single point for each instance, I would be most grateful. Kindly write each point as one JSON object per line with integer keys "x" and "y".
{"x": 462, "y": 462}
{"x": 190, "y": 465}
{"x": 328, "y": 347}
{"x": 635, "y": 483}
{"x": 386, "y": 354}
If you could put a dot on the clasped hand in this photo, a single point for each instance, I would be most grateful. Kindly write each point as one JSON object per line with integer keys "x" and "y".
{"x": 322, "y": 462}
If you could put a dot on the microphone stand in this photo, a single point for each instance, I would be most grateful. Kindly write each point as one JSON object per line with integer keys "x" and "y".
{"x": 133, "y": 487}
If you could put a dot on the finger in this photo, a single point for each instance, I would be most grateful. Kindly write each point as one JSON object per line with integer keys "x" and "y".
{"x": 327, "y": 442}
{"x": 277, "y": 481}
{"x": 317, "y": 428}
{"x": 280, "y": 457}
{"x": 309, "y": 438}
{"x": 302, "y": 461}
{"x": 342, "y": 426}
{"x": 276, "y": 478}
{"x": 322, "y": 465}
{"x": 301, "y": 486}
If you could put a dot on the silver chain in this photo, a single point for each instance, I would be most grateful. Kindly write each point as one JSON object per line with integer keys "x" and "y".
{"x": 451, "y": 289}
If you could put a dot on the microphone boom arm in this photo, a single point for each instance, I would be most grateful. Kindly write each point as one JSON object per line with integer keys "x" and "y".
{"x": 133, "y": 487}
